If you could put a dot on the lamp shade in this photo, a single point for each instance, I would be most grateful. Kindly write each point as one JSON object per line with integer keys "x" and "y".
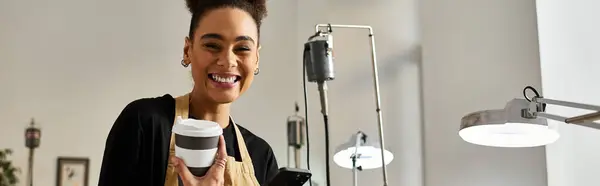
{"x": 369, "y": 155}
{"x": 507, "y": 127}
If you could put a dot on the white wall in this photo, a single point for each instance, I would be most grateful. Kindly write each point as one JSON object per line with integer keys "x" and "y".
{"x": 74, "y": 65}
{"x": 570, "y": 62}
{"x": 477, "y": 55}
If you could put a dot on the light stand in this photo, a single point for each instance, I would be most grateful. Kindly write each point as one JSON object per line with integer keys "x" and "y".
{"x": 323, "y": 87}
{"x": 522, "y": 123}
{"x": 32, "y": 141}
{"x": 295, "y": 134}
{"x": 360, "y": 139}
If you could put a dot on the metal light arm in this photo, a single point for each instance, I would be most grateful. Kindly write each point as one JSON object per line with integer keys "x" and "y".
{"x": 586, "y": 120}
{"x": 375, "y": 82}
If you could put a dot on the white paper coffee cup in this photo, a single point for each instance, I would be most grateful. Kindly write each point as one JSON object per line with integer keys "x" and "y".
{"x": 196, "y": 142}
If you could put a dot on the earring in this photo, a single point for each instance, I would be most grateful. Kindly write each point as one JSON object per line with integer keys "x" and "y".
{"x": 257, "y": 71}
{"x": 184, "y": 64}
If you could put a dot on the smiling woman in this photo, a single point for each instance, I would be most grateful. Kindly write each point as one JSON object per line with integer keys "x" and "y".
{"x": 222, "y": 52}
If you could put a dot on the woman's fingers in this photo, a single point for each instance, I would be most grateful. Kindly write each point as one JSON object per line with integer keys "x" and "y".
{"x": 182, "y": 169}
{"x": 218, "y": 168}
{"x": 222, "y": 151}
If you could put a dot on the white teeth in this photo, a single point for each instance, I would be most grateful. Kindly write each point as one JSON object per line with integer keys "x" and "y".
{"x": 220, "y": 79}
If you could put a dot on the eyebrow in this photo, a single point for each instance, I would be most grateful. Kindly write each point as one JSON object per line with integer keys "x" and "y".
{"x": 220, "y": 37}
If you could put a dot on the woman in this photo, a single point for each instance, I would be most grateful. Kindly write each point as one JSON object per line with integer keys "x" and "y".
{"x": 222, "y": 52}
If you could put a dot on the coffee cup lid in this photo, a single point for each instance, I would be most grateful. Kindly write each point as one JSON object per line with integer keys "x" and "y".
{"x": 197, "y": 128}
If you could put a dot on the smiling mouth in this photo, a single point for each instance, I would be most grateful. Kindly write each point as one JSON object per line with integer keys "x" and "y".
{"x": 229, "y": 79}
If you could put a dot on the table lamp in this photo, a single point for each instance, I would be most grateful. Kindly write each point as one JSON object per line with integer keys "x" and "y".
{"x": 522, "y": 122}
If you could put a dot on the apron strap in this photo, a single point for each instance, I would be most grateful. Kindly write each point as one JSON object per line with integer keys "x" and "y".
{"x": 242, "y": 148}
{"x": 245, "y": 169}
{"x": 181, "y": 109}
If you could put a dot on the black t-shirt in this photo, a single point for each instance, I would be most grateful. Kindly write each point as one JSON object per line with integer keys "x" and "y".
{"x": 137, "y": 147}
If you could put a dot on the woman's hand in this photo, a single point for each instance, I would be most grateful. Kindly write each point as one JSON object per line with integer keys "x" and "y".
{"x": 215, "y": 175}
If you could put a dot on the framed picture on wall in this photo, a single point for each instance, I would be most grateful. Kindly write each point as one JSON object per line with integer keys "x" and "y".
{"x": 72, "y": 171}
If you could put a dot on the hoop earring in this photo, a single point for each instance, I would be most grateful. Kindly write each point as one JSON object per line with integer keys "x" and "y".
{"x": 257, "y": 71}
{"x": 184, "y": 64}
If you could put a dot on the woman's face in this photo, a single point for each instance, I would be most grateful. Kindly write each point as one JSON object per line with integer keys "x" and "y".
{"x": 223, "y": 54}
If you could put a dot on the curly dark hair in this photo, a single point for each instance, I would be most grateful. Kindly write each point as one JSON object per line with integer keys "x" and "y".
{"x": 198, "y": 8}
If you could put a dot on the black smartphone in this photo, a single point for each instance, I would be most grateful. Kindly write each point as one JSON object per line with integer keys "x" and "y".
{"x": 290, "y": 177}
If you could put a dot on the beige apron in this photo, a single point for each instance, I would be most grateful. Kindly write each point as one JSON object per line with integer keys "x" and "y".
{"x": 236, "y": 173}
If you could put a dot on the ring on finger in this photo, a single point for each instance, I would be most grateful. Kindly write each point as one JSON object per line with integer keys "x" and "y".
{"x": 221, "y": 159}
{"x": 220, "y": 163}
